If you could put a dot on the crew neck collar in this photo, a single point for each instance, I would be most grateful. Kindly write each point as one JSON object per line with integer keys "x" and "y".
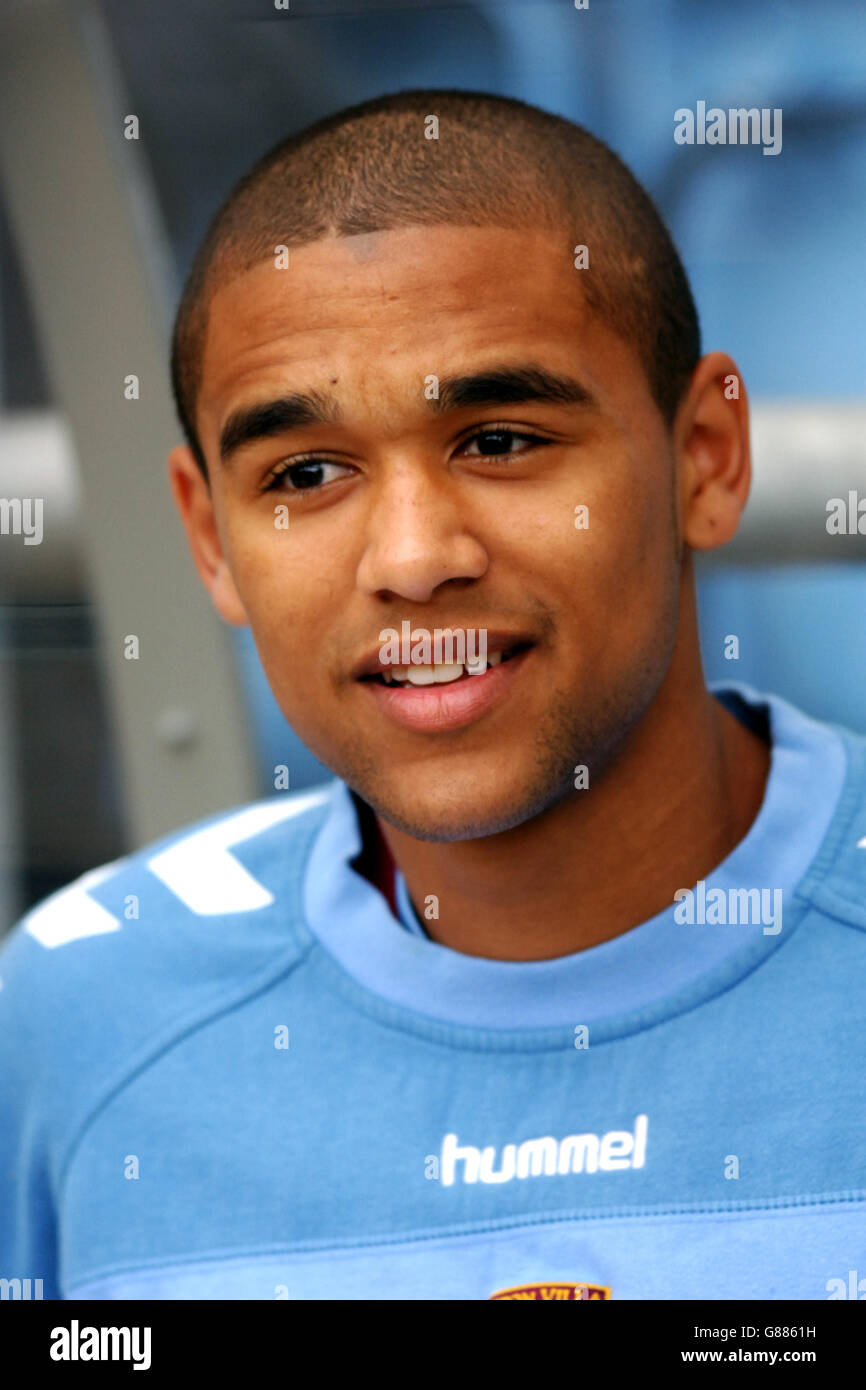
{"x": 653, "y": 969}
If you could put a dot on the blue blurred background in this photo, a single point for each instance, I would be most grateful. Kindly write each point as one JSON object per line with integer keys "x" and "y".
{"x": 773, "y": 246}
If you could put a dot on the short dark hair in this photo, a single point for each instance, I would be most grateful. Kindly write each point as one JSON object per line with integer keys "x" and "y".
{"x": 496, "y": 162}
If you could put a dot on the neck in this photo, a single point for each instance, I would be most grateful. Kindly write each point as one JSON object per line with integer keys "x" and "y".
{"x": 681, "y": 793}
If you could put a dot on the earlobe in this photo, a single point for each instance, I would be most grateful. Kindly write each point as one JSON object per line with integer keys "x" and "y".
{"x": 194, "y": 501}
{"x": 714, "y": 455}
{"x": 225, "y": 597}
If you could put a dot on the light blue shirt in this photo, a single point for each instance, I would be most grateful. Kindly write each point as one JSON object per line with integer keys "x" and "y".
{"x": 229, "y": 1071}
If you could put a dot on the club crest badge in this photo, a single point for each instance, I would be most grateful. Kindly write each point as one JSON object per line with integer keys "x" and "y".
{"x": 552, "y": 1292}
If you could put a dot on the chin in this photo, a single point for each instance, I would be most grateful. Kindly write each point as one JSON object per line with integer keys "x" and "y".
{"x": 450, "y": 816}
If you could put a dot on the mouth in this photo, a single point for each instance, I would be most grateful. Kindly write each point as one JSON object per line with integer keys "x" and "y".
{"x": 438, "y": 699}
{"x": 409, "y": 677}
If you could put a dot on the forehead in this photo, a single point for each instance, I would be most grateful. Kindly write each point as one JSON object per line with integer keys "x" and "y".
{"x": 378, "y": 310}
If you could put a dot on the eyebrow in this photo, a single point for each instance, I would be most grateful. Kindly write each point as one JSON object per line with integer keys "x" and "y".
{"x": 269, "y": 418}
{"x": 511, "y": 386}
{"x": 507, "y": 385}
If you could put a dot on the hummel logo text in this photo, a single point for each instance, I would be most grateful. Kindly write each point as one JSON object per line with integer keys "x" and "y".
{"x": 577, "y": 1153}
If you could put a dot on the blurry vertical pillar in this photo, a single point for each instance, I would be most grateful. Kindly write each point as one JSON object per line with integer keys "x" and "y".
{"x": 90, "y": 242}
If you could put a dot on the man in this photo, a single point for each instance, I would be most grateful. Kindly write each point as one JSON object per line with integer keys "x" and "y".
{"x": 556, "y": 992}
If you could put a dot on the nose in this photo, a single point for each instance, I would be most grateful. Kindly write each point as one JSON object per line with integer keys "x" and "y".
{"x": 418, "y": 536}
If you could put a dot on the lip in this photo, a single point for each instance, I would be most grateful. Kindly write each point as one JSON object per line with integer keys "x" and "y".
{"x": 440, "y": 708}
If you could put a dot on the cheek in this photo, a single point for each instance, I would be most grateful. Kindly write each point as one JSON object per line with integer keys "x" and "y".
{"x": 288, "y": 582}
{"x": 601, "y": 536}
{"x": 634, "y": 519}
{"x": 270, "y": 569}
{"x": 614, "y": 570}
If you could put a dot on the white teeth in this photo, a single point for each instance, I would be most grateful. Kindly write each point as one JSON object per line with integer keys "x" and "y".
{"x": 420, "y": 675}
{"x": 438, "y": 675}
{"x": 433, "y": 675}
{"x": 481, "y": 663}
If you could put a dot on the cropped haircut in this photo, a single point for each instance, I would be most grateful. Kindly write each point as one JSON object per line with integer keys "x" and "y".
{"x": 496, "y": 162}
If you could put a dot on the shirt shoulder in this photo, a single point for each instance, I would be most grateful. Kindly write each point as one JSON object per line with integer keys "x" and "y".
{"x": 137, "y": 950}
{"x": 835, "y": 882}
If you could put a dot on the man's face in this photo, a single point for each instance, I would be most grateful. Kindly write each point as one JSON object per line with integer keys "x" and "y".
{"x": 457, "y": 512}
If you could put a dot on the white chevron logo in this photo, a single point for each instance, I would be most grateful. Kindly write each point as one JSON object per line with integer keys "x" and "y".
{"x": 199, "y": 869}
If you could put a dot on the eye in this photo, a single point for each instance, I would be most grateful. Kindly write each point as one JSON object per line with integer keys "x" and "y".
{"x": 306, "y": 475}
{"x": 497, "y": 442}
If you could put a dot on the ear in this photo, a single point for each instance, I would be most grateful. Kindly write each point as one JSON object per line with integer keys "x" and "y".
{"x": 711, "y": 434}
{"x": 194, "y": 501}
